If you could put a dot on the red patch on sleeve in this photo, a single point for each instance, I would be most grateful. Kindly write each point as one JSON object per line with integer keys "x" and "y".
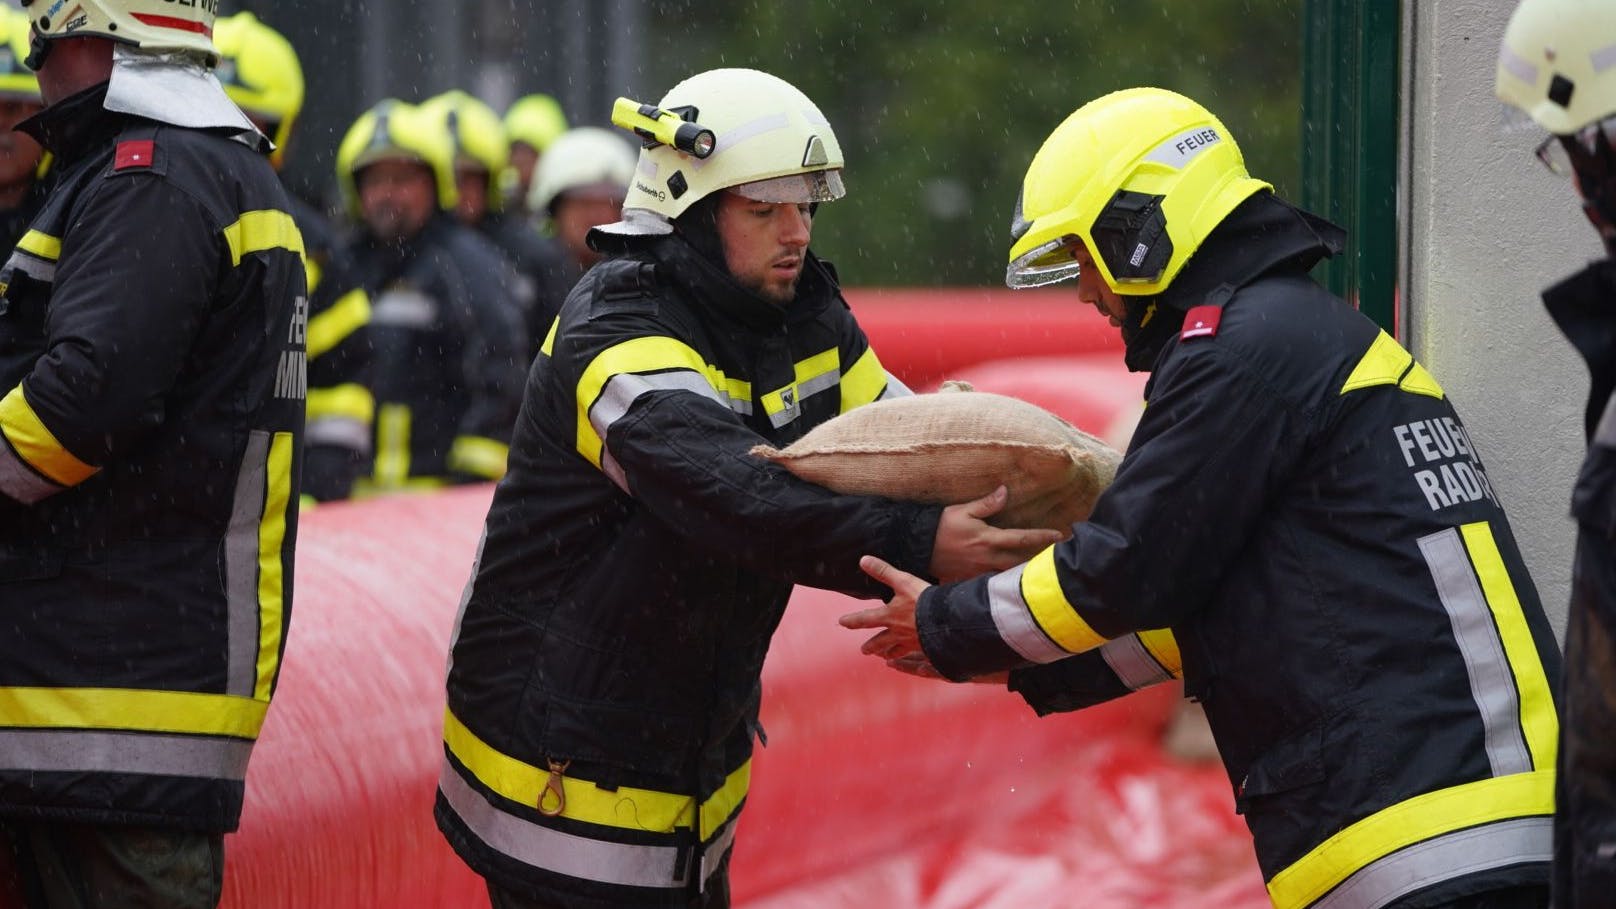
{"x": 1201, "y": 322}
{"x": 134, "y": 153}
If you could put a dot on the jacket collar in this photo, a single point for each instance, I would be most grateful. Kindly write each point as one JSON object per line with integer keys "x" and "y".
{"x": 1262, "y": 235}
{"x": 715, "y": 289}
{"x": 76, "y": 125}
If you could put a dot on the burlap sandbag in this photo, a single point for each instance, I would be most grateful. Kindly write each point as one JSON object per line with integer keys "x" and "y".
{"x": 955, "y": 446}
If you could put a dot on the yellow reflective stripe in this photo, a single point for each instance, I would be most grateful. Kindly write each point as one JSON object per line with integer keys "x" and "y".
{"x": 368, "y": 488}
{"x": 820, "y": 364}
{"x": 329, "y": 327}
{"x": 350, "y": 401}
{"x": 1164, "y": 648}
{"x": 1040, "y": 588}
{"x": 1383, "y": 364}
{"x": 640, "y": 355}
{"x": 271, "y": 568}
{"x": 392, "y": 445}
{"x": 311, "y": 273}
{"x": 1406, "y": 823}
{"x": 1420, "y": 382}
{"x": 42, "y": 245}
{"x": 863, "y": 382}
{"x": 548, "y": 347}
{"x": 1538, "y": 719}
{"x": 37, "y": 445}
{"x": 625, "y": 807}
{"x": 258, "y": 231}
{"x": 127, "y": 708}
{"x": 479, "y": 456}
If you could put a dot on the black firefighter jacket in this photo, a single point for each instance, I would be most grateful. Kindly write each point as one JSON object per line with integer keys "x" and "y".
{"x": 151, "y": 360}
{"x": 636, "y": 561}
{"x": 1304, "y": 517}
{"x": 1584, "y": 306}
{"x": 421, "y": 351}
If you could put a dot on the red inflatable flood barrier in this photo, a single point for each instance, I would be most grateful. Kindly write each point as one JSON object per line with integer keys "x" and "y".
{"x": 875, "y": 790}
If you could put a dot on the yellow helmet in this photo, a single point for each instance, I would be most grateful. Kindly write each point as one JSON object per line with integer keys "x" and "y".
{"x": 737, "y": 129}
{"x": 536, "y": 120}
{"x": 1141, "y": 177}
{"x": 394, "y": 129}
{"x": 1558, "y": 62}
{"x": 154, "y": 25}
{"x": 260, "y": 71}
{"x": 17, "y": 81}
{"x": 478, "y": 136}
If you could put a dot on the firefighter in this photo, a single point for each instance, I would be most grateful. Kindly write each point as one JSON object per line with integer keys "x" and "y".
{"x": 1549, "y": 66}
{"x": 531, "y": 123}
{"x": 444, "y": 341}
{"x": 604, "y": 687}
{"x": 151, "y": 344}
{"x": 260, "y": 71}
{"x": 1304, "y": 512}
{"x": 580, "y": 184}
{"x": 482, "y": 157}
{"x": 23, "y": 162}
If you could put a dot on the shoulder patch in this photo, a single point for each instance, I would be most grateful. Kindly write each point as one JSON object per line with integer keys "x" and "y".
{"x": 1201, "y": 322}
{"x": 134, "y": 153}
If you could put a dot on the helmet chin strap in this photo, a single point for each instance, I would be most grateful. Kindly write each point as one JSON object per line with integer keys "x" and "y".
{"x": 38, "y": 50}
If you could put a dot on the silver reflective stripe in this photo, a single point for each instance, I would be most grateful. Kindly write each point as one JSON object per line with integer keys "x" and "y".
{"x": 1015, "y": 622}
{"x": 623, "y": 389}
{"x": 241, "y": 568}
{"x": 342, "y": 432}
{"x": 19, "y": 481}
{"x": 1603, "y": 58}
{"x": 730, "y": 138}
{"x": 404, "y": 309}
{"x": 553, "y": 850}
{"x": 718, "y": 848}
{"x": 1133, "y": 663}
{"x": 465, "y": 600}
{"x": 124, "y": 752}
{"x": 1605, "y": 435}
{"x": 1515, "y": 841}
{"x": 894, "y": 389}
{"x": 32, "y": 266}
{"x": 1518, "y": 66}
{"x": 1492, "y": 682}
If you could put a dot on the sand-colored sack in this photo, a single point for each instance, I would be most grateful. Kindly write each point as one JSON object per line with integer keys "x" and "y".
{"x": 955, "y": 446}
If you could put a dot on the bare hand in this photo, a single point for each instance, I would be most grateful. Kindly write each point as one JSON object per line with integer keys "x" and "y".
{"x": 967, "y": 545}
{"x": 898, "y": 640}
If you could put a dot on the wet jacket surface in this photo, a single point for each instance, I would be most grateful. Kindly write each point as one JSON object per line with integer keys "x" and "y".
{"x": 151, "y": 402}
{"x": 545, "y": 274}
{"x": 1584, "y": 306}
{"x": 1302, "y": 508}
{"x": 440, "y": 352}
{"x": 636, "y": 561}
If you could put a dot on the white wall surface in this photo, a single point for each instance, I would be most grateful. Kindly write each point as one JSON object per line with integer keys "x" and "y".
{"x": 1487, "y": 228}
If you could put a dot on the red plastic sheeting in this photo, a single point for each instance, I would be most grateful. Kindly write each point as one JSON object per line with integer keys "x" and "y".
{"x": 926, "y": 336}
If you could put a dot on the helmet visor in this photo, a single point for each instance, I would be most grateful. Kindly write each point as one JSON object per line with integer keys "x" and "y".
{"x": 795, "y": 189}
{"x": 1050, "y": 263}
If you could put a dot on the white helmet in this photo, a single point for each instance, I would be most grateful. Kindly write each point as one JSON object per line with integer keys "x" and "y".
{"x": 1558, "y": 62}
{"x": 153, "y": 25}
{"x": 736, "y": 129}
{"x": 579, "y": 158}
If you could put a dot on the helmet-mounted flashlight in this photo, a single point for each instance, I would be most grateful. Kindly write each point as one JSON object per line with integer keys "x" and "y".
{"x": 661, "y": 127}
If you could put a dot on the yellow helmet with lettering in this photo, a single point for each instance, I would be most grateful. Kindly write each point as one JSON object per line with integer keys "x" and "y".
{"x": 478, "y": 136}
{"x": 1141, "y": 177}
{"x": 153, "y": 25}
{"x": 260, "y": 71}
{"x": 17, "y": 81}
{"x": 738, "y": 129}
{"x": 535, "y": 120}
{"x": 1557, "y": 62}
{"x": 393, "y": 129}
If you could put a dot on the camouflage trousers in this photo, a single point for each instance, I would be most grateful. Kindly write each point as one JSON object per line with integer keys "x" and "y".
{"x": 57, "y": 865}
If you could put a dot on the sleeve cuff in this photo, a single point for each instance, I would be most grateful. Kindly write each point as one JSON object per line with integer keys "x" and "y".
{"x": 958, "y": 634}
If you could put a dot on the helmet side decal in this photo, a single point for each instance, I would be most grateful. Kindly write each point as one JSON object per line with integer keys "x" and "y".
{"x": 1184, "y": 147}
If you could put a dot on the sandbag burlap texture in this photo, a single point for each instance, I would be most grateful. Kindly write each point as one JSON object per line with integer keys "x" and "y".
{"x": 955, "y": 446}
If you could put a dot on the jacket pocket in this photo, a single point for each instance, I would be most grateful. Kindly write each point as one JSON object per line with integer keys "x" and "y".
{"x": 1284, "y": 770}
{"x": 621, "y": 745}
{"x": 29, "y": 563}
